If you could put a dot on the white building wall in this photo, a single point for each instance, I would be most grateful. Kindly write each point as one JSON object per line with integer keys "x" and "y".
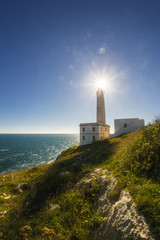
{"x": 103, "y": 132}
{"x": 126, "y": 125}
{"x": 89, "y": 128}
{"x": 88, "y": 138}
{"x": 87, "y": 135}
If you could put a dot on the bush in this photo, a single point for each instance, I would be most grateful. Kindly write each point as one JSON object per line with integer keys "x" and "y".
{"x": 143, "y": 156}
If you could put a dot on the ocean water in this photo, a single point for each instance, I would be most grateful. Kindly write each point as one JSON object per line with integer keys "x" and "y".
{"x": 19, "y": 151}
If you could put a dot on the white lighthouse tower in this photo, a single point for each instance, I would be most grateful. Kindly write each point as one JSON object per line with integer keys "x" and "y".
{"x": 96, "y": 131}
{"x": 101, "y": 118}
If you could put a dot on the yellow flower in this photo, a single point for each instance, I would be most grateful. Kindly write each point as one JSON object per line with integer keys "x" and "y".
{"x": 26, "y": 229}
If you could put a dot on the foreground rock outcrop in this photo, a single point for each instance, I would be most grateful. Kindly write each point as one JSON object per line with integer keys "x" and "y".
{"x": 120, "y": 217}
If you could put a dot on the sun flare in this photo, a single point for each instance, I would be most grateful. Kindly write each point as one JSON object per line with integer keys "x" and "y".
{"x": 107, "y": 78}
{"x": 100, "y": 83}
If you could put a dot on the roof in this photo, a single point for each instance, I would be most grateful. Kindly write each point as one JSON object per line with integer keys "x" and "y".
{"x": 127, "y": 119}
{"x": 94, "y": 124}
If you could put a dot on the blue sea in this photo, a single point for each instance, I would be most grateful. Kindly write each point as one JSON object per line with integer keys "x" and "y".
{"x": 19, "y": 151}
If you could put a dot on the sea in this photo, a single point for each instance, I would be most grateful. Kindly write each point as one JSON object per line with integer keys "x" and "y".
{"x": 20, "y": 151}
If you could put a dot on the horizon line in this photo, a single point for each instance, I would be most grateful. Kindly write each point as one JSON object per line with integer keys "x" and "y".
{"x": 37, "y": 133}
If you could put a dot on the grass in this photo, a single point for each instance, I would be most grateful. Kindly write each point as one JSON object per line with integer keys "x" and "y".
{"x": 134, "y": 159}
{"x": 77, "y": 216}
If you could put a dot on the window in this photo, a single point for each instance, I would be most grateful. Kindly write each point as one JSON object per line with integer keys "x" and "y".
{"x": 101, "y": 129}
{"x": 83, "y": 137}
{"x": 83, "y": 129}
{"x": 125, "y": 125}
{"x": 106, "y": 129}
{"x": 93, "y": 129}
{"x": 94, "y": 138}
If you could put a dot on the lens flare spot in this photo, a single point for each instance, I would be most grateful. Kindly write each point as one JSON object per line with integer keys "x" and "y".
{"x": 102, "y": 50}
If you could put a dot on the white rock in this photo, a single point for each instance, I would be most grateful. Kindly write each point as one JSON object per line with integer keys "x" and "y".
{"x": 53, "y": 207}
{"x": 21, "y": 187}
{"x": 7, "y": 197}
{"x": 3, "y": 213}
{"x": 121, "y": 221}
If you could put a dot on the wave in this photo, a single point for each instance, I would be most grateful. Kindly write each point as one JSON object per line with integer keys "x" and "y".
{"x": 4, "y": 150}
{"x": 34, "y": 154}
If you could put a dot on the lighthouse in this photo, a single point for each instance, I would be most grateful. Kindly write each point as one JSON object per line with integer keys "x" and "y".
{"x": 99, "y": 130}
{"x": 101, "y": 118}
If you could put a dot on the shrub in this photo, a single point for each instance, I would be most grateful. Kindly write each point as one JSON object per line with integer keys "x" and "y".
{"x": 143, "y": 156}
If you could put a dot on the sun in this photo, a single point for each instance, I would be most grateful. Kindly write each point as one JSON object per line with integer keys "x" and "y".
{"x": 100, "y": 84}
{"x": 105, "y": 77}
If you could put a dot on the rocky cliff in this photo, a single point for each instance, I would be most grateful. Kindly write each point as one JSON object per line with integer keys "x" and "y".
{"x": 120, "y": 217}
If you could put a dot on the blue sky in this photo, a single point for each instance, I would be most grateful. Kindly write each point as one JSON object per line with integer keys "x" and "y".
{"x": 52, "y": 51}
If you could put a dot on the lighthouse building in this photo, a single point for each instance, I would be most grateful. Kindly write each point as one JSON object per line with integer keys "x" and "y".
{"x": 96, "y": 131}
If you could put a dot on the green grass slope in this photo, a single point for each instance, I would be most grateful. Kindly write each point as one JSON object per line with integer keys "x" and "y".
{"x": 134, "y": 159}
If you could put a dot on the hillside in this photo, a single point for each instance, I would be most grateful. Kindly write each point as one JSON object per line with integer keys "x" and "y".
{"x": 44, "y": 202}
